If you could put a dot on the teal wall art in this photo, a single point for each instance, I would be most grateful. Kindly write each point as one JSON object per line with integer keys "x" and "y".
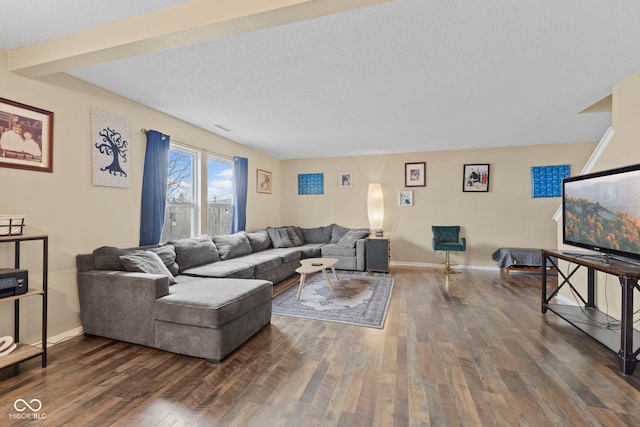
{"x": 546, "y": 181}
{"x": 311, "y": 183}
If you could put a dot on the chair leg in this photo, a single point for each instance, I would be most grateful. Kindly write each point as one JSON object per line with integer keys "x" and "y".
{"x": 447, "y": 265}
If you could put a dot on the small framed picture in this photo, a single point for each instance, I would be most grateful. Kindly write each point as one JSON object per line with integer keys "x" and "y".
{"x": 26, "y": 137}
{"x": 346, "y": 180}
{"x": 405, "y": 198}
{"x": 415, "y": 174}
{"x": 263, "y": 181}
{"x": 475, "y": 178}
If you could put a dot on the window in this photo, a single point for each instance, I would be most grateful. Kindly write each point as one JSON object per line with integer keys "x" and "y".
{"x": 185, "y": 184}
{"x": 219, "y": 195}
{"x": 183, "y": 202}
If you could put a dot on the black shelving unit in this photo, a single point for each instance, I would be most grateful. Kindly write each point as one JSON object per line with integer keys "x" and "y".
{"x": 26, "y": 351}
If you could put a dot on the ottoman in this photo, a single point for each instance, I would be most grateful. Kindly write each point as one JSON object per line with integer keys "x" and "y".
{"x": 210, "y": 318}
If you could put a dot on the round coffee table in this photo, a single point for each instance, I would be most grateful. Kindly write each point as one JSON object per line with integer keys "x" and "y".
{"x": 313, "y": 265}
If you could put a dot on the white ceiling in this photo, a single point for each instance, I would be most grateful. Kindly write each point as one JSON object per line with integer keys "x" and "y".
{"x": 400, "y": 76}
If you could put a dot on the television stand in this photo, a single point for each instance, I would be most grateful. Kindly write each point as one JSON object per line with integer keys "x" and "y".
{"x": 588, "y": 318}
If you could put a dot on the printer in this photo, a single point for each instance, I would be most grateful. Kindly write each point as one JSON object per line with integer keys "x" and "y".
{"x": 13, "y": 282}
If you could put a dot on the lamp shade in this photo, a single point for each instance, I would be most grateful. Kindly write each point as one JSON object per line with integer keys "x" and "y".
{"x": 375, "y": 206}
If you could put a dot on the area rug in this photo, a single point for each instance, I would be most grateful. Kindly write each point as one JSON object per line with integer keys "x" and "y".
{"x": 355, "y": 300}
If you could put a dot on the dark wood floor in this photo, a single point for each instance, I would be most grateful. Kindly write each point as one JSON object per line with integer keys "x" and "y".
{"x": 470, "y": 350}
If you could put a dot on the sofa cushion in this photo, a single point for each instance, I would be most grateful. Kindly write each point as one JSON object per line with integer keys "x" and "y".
{"x": 262, "y": 261}
{"x": 351, "y": 237}
{"x": 232, "y": 245}
{"x": 311, "y": 250}
{"x": 333, "y": 249}
{"x": 211, "y": 303}
{"x": 108, "y": 258}
{"x": 228, "y": 268}
{"x": 287, "y": 254}
{"x": 195, "y": 251}
{"x": 259, "y": 240}
{"x": 279, "y": 237}
{"x": 146, "y": 262}
{"x": 317, "y": 234}
{"x": 337, "y": 232}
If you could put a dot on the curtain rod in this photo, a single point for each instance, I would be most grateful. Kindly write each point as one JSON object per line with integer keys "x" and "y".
{"x": 224, "y": 156}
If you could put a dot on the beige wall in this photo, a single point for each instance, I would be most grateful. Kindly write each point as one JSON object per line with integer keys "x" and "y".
{"x": 622, "y": 150}
{"x": 78, "y": 216}
{"x": 507, "y": 215}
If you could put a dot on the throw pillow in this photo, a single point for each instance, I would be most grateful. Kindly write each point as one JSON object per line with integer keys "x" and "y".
{"x": 195, "y": 251}
{"x": 108, "y": 258}
{"x": 167, "y": 254}
{"x": 351, "y": 237}
{"x": 337, "y": 232}
{"x": 232, "y": 245}
{"x": 259, "y": 240}
{"x": 279, "y": 237}
{"x": 146, "y": 262}
{"x": 293, "y": 237}
{"x": 299, "y": 233}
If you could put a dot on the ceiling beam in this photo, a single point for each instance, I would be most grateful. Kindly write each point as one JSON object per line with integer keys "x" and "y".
{"x": 181, "y": 25}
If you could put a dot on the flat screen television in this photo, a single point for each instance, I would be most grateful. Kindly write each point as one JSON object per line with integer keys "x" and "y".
{"x": 601, "y": 211}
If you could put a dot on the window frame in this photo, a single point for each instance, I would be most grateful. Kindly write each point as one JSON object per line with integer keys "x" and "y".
{"x": 205, "y": 191}
{"x": 195, "y": 204}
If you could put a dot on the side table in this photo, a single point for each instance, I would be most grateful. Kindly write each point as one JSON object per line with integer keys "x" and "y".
{"x": 378, "y": 253}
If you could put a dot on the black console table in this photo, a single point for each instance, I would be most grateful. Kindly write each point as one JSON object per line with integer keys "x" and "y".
{"x": 588, "y": 318}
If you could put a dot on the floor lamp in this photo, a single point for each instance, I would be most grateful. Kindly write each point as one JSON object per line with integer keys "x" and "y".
{"x": 375, "y": 208}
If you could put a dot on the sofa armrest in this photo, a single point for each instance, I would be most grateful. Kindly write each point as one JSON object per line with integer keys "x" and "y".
{"x": 120, "y": 305}
{"x": 361, "y": 245}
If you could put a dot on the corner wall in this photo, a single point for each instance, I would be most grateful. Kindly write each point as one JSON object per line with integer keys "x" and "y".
{"x": 77, "y": 216}
{"x": 622, "y": 150}
{"x": 506, "y": 216}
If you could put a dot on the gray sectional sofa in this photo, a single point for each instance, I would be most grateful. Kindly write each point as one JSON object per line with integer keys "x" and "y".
{"x": 203, "y": 296}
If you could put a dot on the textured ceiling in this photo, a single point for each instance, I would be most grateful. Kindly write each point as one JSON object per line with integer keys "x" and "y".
{"x": 400, "y": 76}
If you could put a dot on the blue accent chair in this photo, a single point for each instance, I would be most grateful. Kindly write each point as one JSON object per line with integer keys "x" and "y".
{"x": 447, "y": 238}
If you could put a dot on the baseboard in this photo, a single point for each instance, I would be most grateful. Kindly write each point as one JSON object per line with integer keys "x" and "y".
{"x": 57, "y": 339}
{"x": 439, "y": 265}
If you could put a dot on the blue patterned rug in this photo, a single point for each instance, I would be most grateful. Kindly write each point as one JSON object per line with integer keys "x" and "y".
{"x": 355, "y": 300}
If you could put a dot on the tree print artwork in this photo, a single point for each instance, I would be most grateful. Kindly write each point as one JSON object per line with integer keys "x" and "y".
{"x": 113, "y": 145}
{"x": 110, "y": 140}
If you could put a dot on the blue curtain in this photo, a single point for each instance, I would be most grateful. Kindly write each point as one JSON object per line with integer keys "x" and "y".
{"x": 154, "y": 187}
{"x": 240, "y": 179}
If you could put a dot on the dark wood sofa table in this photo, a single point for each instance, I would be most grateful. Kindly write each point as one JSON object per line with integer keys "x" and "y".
{"x": 587, "y": 317}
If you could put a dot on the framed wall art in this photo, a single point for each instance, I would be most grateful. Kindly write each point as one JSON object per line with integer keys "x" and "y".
{"x": 346, "y": 180}
{"x": 310, "y": 183}
{"x": 263, "y": 181}
{"x": 405, "y": 198}
{"x": 546, "y": 181}
{"x": 415, "y": 174}
{"x": 26, "y": 137}
{"x": 111, "y": 156}
{"x": 475, "y": 178}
